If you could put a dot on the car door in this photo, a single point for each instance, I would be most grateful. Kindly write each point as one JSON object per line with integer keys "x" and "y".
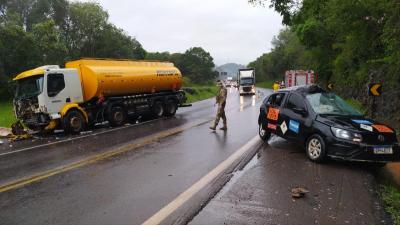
{"x": 296, "y": 115}
{"x": 273, "y": 114}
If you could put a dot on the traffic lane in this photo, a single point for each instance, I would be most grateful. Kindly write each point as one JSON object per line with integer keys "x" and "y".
{"x": 59, "y": 136}
{"x": 131, "y": 187}
{"x": 23, "y": 164}
{"x": 339, "y": 192}
{"x": 197, "y": 110}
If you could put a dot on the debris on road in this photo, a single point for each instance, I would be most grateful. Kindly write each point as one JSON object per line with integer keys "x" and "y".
{"x": 17, "y": 128}
{"x": 299, "y": 192}
{"x": 19, "y": 137}
{"x": 18, "y": 132}
{"x": 5, "y": 132}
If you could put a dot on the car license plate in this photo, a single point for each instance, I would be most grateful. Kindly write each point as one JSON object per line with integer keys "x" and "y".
{"x": 383, "y": 150}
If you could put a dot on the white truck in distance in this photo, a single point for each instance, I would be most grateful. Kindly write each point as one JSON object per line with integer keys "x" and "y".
{"x": 247, "y": 81}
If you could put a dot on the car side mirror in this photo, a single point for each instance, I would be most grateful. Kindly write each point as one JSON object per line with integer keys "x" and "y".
{"x": 300, "y": 111}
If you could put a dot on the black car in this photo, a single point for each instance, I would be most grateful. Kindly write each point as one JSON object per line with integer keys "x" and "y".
{"x": 326, "y": 126}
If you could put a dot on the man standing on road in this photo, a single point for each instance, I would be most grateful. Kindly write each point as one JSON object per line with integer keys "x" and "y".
{"x": 221, "y": 101}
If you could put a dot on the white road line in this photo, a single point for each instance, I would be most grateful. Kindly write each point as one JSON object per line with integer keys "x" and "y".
{"x": 76, "y": 138}
{"x": 185, "y": 196}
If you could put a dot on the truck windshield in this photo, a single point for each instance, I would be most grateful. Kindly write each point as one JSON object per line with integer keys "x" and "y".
{"x": 246, "y": 81}
{"x": 330, "y": 104}
{"x": 29, "y": 87}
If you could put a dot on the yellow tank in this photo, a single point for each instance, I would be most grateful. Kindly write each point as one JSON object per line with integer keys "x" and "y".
{"x": 125, "y": 77}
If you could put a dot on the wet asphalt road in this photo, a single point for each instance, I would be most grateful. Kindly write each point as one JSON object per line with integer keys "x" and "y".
{"x": 126, "y": 188}
{"x": 157, "y": 160}
{"x": 339, "y": 192}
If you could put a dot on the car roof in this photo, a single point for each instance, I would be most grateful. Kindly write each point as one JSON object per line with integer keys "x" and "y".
{"x": 303, "y": 89}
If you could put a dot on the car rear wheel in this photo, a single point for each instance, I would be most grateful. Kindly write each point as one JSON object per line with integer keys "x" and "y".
{"x": 315, "y": 148}
{"x": 264, "y": 133}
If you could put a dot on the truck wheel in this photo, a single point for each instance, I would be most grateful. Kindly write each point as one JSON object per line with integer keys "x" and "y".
{"x": 315, "y": 149}
{"x": 170, "y": 108}
{"x": 74, "y": 122}
{"x": 117, "y": 116}
{"x": 158, "y": 109}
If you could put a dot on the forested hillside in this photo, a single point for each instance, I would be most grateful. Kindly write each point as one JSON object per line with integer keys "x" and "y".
{"x": 349, "y": 43}
{"x": 43, "y": 32}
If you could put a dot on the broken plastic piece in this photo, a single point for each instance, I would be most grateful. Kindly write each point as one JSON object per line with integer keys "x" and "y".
{"x": 299, "y": 192}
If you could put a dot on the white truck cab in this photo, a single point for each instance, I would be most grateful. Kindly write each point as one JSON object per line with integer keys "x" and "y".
{"x": 42, "y": 93}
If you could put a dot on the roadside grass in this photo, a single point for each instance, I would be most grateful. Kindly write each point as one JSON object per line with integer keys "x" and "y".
{"x": 196, "y": 93}
{"x": 265, "y": 84}
{"x": 6, "y": 114}
{"x": 391, "y": 198}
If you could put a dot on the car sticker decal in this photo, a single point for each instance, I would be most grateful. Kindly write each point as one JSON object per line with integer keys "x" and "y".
{"x": 366, "y": 122}
{"x": 283, "y": 127}
{"x": 366, "y": 127}
{"x": 271, "y": 126}
{"x": 382, "y": 128}
{"x": 273, "y": 114}
{"x": 294, "y": 126}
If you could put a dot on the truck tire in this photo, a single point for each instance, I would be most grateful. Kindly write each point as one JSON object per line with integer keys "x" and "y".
{"x": 170, "y": 108}
{"x": 74, "y": 122}
{"x": 117, "y": 116}
{"x": 158, "y": 109}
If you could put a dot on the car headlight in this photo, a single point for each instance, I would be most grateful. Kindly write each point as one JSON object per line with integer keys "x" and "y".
{"x": 345, "y": 134}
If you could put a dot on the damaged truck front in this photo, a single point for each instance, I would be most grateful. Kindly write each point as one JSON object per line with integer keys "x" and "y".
{"x": 28, "y": 94}
{"x": 92, "y": 91}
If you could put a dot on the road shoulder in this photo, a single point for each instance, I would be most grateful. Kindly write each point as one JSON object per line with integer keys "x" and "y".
{"x": 339, "y": 193}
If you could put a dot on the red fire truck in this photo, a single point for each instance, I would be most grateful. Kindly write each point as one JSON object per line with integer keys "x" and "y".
{"x": 299, "y": 77}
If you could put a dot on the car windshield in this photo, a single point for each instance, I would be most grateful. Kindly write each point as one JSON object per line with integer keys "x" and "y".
{"x": 331, "y": 104}
{"x": 29, "y": 87}
{"x": 246, "y": 81}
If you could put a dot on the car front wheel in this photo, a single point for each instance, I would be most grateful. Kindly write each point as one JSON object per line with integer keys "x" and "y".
{"x": 264, "y": 133}
{"x": 315, "y": 148}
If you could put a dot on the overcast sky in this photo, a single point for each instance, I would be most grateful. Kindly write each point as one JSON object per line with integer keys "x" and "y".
{"x": 231, "y": 30}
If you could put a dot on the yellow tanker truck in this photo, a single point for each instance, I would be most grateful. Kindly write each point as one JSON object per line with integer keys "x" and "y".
{"x": 90, "y": 91}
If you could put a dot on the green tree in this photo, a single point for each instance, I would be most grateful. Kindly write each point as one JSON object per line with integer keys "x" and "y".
{"x": 161, "y": 56}
{"x": 40, "y": 32}
{"x": 114, "y": 43}
{"x": 50, "y": 47}
{"x": 287, "y": 54}
{"x": 18, "y": 52}
{"x": 198, "y": 65}
{"x": 86, "y": 21}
